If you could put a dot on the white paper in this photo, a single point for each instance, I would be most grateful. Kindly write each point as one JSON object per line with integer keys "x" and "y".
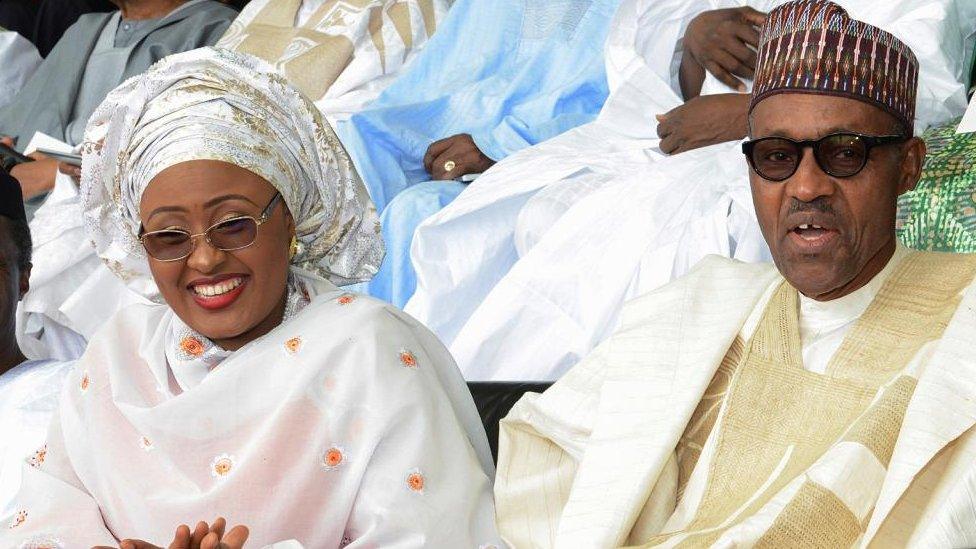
{"x": 968, "y": 123}
{"x": 43, "y": 140}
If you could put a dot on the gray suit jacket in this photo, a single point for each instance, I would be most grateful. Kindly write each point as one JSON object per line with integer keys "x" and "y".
{"x": 46, "y": 101}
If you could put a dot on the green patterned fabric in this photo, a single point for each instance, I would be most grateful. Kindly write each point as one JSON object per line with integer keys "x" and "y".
{"x": 940, "y": 214}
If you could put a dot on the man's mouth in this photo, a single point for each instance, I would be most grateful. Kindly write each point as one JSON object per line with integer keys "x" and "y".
{"x": 812, "y": 236}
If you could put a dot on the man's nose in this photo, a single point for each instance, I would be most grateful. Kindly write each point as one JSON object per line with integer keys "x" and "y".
{"x": 809, "y": 182}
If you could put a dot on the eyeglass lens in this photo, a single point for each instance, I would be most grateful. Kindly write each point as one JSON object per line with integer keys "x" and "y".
{"x": 839, "y": 155}
{"x": 232, "y": 234}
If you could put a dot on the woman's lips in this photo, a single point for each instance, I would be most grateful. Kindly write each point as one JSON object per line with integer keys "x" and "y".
{"x": 218, "y": 293}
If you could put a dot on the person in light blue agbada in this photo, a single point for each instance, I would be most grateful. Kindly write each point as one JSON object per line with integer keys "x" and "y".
{"x": 499, "y": 76}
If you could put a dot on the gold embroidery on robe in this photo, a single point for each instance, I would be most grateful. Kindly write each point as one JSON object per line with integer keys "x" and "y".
{"x": 313, "y": 55}
{"x": 780, "y": 420}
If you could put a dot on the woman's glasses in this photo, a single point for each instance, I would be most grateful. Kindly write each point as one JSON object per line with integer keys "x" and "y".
{"x": 838, "y": 154}
{"x": 227, "y": 235}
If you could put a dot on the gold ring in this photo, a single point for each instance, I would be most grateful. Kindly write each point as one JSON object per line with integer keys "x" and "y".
{"x": 449, "y": 165}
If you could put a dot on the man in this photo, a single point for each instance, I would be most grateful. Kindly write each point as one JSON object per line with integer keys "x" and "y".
{"x": 827, "y": 401}
{"x": 54, "y": 17}
{"x": 499, "y": 76}
{"x": 94, "y": 56}
{"x": 339, "y": 54}
{"x": 19, "y": 59}
{"x": 526, "y": 272}
{"x": 28, "y": 389}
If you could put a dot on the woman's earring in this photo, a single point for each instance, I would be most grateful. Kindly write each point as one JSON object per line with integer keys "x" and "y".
{"x": 293, "y": 248}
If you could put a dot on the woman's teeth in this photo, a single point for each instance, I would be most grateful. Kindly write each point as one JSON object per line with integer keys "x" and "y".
{"x": 210, "y": 290}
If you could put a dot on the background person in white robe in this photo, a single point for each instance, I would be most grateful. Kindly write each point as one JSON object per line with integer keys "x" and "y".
{"x": 339, "y": 54}
{"x": 19, "y": 59}
{"x": 827, "y": 401}
{"x": 528, "y": 271}
{"x": 253, "y": 388}
{"x": 96, "y": 54}
{"x": 28, "y": 388}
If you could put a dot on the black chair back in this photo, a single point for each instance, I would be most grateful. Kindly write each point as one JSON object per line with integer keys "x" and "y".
{"x": 495, "y": 398}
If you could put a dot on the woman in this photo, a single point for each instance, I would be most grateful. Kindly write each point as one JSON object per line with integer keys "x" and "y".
{"x": 254, "y": 388}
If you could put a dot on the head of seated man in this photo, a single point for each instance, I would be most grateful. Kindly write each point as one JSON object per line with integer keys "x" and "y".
{"x": 15, "y": 268}
{"x": 829, "y": 234}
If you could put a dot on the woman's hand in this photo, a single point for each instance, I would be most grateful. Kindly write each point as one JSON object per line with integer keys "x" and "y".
{"x": 704, "y": 121}
{"x": 459, "y": 153}
{"x": 204, "y": 536}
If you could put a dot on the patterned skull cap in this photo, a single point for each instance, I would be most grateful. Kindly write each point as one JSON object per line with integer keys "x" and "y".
{"x": 815, "y": 47}
{"x": 215, "y": 104}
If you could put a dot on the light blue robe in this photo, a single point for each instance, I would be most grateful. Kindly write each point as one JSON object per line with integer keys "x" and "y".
{"x": 511, "y": 73}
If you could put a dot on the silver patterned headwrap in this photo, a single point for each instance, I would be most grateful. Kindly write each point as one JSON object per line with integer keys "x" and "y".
{"x": 215, "y": 104}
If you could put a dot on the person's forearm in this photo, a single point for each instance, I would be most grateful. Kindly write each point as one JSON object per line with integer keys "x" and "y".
{"x": 741, "y": 115}
{"x": 691, "y": 76}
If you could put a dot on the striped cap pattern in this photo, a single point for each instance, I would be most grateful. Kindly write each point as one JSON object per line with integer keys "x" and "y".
{"x": 814, "y": 46}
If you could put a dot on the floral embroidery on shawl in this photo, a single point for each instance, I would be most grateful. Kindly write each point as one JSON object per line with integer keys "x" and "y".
{"x": 191, "y": 346}
{"x": 415, "y": 481}
{"x": 346, "y": 299}
{"x": 408, "y": 359}
{"x": 221, "y": 466}
{"x": 145, "y": 444}
{"x": 85, "y": 381}
{"x": 333, "y": 458}
{"x": 293, "y": 345}
{"x": 38, "y": 458}
{"x": 19, "y": 518}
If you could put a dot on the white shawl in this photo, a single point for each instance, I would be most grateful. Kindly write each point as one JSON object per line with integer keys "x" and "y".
{"x": 348, "y": 425}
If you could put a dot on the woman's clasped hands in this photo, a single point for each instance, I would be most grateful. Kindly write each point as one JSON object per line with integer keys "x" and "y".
{"x": 203, "y": 536}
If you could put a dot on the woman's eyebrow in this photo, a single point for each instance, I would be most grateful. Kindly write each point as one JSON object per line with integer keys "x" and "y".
{"x": 208, "y": 204}
{"x": 164, "y": 209}
{"x": 214, "y": 201}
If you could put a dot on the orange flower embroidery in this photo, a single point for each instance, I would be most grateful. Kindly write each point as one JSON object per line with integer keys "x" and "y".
{"x": 415, "y": 481}
{"x": 221, "y": 466}
{"x": 85, "y": 381}
{"x": 346, "y": 299}
{"x": 293, "y": 345}
{"x": 191, "y": 346}
{"x": 408, "y": 359}
{"x": 333, "y": 458}
{"x": 145, "y": 443}
{"x": 38, "y": 458}
{"x": 19, "y": 518}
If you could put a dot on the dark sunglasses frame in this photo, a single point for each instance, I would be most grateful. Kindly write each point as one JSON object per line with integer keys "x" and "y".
{"x": 258, "y": 221}
{"x": 870, "y": 142}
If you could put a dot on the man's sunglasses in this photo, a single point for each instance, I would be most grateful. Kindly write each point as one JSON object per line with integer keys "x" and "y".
{"x": 838, "y": 154}
{"x": 227, "y": 235}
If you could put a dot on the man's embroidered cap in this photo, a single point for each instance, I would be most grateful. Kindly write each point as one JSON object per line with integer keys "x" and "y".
{"x": 814, "y": 46}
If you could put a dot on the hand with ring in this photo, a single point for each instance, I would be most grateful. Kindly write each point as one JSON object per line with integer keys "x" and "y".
{"x": 455, "y": 156}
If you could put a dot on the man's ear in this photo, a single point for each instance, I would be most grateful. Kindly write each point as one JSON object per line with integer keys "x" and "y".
{"x": 911, "y": 165}
{"x": 25, "y": 281}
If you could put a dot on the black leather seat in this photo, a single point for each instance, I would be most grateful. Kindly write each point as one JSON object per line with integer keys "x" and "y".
{"x": 495, "y": 398}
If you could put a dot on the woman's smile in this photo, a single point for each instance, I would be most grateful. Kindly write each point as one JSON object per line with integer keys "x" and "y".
{"x": 217, "y": 292}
